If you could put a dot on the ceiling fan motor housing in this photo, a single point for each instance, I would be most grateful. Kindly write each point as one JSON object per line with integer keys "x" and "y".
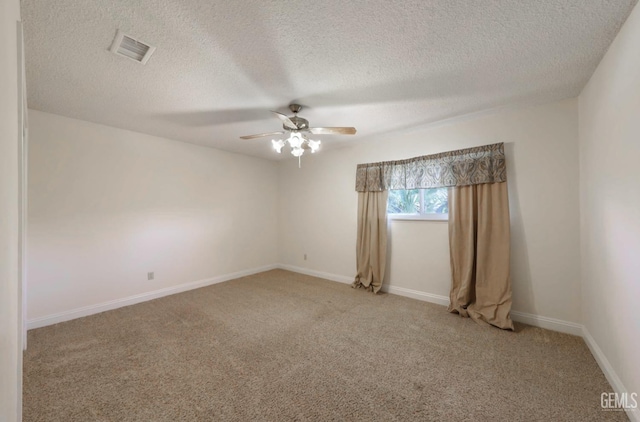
{"x": 299, "y": 122}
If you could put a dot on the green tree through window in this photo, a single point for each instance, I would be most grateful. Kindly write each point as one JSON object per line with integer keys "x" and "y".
{"x": 418, "y": 201}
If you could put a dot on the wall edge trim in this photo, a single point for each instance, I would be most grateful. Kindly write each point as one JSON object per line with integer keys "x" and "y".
{"x": 609, "y": 373}
{"x": 540, "y": 321}
{"x": 46, "y": 320}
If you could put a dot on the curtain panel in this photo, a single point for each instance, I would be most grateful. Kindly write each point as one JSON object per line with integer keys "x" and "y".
{"x": 371, "y": 246}
{"x": 464, "y": 167}
{"x": 480, "y": 250}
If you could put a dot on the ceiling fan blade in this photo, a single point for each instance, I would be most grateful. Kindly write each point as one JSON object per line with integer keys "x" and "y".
{"x": 260, "y": 135}
{"x": 333, "y": 130}
{"x": 287, "y": 121}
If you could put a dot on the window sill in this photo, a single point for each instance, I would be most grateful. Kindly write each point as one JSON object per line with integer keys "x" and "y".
{"x": 420, "y": 217}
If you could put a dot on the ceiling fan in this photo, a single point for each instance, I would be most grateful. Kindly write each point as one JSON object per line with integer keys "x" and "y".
{"x": 298, "y": 128}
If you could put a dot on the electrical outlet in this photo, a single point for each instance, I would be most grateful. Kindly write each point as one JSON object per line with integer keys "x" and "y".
{"x": 305, "y": 257}
{"x": 150, "y": 276}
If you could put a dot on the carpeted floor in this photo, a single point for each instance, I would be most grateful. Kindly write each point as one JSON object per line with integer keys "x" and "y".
{"x": 280, "y": 346}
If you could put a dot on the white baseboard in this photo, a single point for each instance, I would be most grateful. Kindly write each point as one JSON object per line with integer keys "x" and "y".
{"x": 327, "y": 276}
{"x": 530, "y": 319}
{"x": 535, "y": 320}
{"x": 400, "y": 291}
{"x": 143, "y": 297}
{"x": 552, "y": 324}
{"x": 416, "y": 294}
{"x": 609, "y": 373}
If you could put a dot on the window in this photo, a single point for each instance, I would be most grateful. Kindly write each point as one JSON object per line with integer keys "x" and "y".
{"x": 418, "y": 204}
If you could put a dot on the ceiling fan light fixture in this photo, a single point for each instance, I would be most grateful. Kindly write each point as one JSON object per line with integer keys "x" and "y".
{"x": 298, "y": 129}
{"x": 277, "y": 145}
{"x": 298, "y": 143}
{"x": 296, "y": 140}
{"x": 314, "y": 145}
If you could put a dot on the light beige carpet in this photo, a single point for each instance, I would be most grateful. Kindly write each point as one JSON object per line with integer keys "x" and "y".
{"x": 280, "y": 346}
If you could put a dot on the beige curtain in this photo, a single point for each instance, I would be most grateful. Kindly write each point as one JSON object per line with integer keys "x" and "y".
{"x": 479, "y": 247}
{"x": 371, "y": 247}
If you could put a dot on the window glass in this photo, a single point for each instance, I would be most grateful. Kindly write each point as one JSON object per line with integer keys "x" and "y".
{"x": 418, "y": 201}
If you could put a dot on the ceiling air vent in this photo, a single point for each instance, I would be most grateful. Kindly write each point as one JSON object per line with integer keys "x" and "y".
{"x": 131, "y": 48}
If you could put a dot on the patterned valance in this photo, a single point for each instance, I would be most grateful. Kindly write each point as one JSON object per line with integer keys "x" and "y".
{"x": 471, "y": 166}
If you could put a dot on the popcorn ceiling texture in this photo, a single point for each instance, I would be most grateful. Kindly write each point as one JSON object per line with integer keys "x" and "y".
{"x": 280, "y": 346}
{"x": 381, "y": 66}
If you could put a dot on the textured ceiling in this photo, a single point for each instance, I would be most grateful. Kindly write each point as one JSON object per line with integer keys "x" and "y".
{"x": 381, "y": 66}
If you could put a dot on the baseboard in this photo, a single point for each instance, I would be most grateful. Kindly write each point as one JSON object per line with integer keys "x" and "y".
{"x": 552, "y": 324}
{"x": 143, "y": 297}
{"x": 609, "y": 372}
{"x": 530, "y": 319}
{"x": 400, "y": 291}
{"x": 416, "y": 294}
{"x": 327, "y": 276}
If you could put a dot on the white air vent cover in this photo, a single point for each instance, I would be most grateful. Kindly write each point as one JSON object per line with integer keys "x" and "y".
{"x": 131, "y": 48}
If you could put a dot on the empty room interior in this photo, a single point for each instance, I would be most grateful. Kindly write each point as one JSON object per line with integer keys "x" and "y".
{"x": 319, "y": 210}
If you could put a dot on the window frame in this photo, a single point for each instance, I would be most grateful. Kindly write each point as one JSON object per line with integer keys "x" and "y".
{"x": 419, "y": 217}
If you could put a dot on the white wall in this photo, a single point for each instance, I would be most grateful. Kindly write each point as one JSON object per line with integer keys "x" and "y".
{"x": 319, "y": 203}
{"x": 10, "y": 321}
{"x": 106, "y": 206}
{"x": 610, "y": 204}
